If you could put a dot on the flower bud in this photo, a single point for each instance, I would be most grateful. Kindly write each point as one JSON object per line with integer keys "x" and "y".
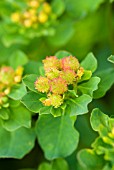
{"x": 47, "y": 102}
{"x": 58, "y": 86}
{"x": 27, "y": 23}
{"x": 42, "y": 17}
{"x": 80, "y": 73}
{"x": 70, "y": 62}
{"x": 42, "y": 84}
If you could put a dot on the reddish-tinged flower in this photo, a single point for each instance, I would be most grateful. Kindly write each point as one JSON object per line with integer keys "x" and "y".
{"x": 70, "y": 62}
{"x": 80, "y": 73}
{"x": 52, "y": 73}
{"x": 7, "y": 75}
{"x": 56, "y": 100}
{"x": 42, "y": 84}
{"x": 58, "y": 86}
{"x": 68, "y": 75}
{"x": 51, "y": 62}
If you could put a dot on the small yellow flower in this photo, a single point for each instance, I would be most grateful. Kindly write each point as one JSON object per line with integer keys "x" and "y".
{"x": 15, "y": 17}
{"x": 56, "y": 100}
{"x": 42, "y": 84}
{"x": 27, "y": 23}
{"x": 46, "y": 8}
{"x": 42, "y": 17}
{"x": 34, "y": 4}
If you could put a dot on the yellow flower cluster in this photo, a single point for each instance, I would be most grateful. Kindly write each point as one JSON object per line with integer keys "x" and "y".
{"x": 59, "y": 74}
{"x": 36, "y": 12}
{"x": 8, "y": 77}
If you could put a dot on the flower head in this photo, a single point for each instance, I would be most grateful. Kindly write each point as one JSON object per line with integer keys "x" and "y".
{"x": 52, "y": 73}
{"x": 68, "y": 75}
{"x": 7, "y": 75}
{"x": 42, "y": 84}
{"x": 51, "y": 62}
{"x": 70, "y": 62}
{"x": 55, "y": 99}
{"x": 58, "y": 86}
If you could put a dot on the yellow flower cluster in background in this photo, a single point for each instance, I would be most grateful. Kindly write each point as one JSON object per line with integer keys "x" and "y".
{"x": 36, "y": 12}
{"x": 59, "y": 74}
{"x": 8, "y": 78}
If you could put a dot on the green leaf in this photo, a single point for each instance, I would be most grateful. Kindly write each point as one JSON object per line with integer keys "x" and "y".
{"x": 57, "y": 164}
{"x": 4, "y": 114}
{"x": 78, "y": 106}
{"x": 86, "y": 76}
{"x": 18, "y": 58}
{"x": 98, "y": 120}
{"x": 32, "y": 102}
{"x": 16, "y": 144}
{"x": 45, "y": 110}
{"x": 62, "y": 54}
{"x": 64, "y": 32}
{"x": 17, "y": 91}
{"x": 111, "y": 59}
{"x": 90, "y": 86}
{"x": 88, "y": 159}
{"x": 81, "y": 8}
{"x": 62, "y": 138}
{"x": 58, "y": 7}
{"x": 89, "y": 63}
{"x": 106, "y": 82}
{"x": 18, "y": 117}
{"x": 32, "y": 67}
{"x": 29, "y": 81}
{"x": 56, "y": 111}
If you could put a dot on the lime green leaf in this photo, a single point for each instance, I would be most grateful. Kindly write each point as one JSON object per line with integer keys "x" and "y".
{"x": 105, "y": 83}
{"x": 90, "y": 86}
{"x": 29, "y": 81}
{"x": 32, "y": 102}
{"x": 4, "y": 114}
{"x": 58, "y": 7}
{"x": 62, "y": 54}
{"x": 17, "y": 92}
{"x": 18, "y": 58}
{"x": 88, "y": 159}
{"x": 16, "y": 144}
{"x": 14, "y": 103}
{"x": 78, "y": 106}
{"x": 111, "y": 58}
{"x": 62, "y": 138}
{"x": 89, "y": 63}
{"x": 98, "y": 119}
{"x": 18, "y": 117}
{"x": 58, "y": 164}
